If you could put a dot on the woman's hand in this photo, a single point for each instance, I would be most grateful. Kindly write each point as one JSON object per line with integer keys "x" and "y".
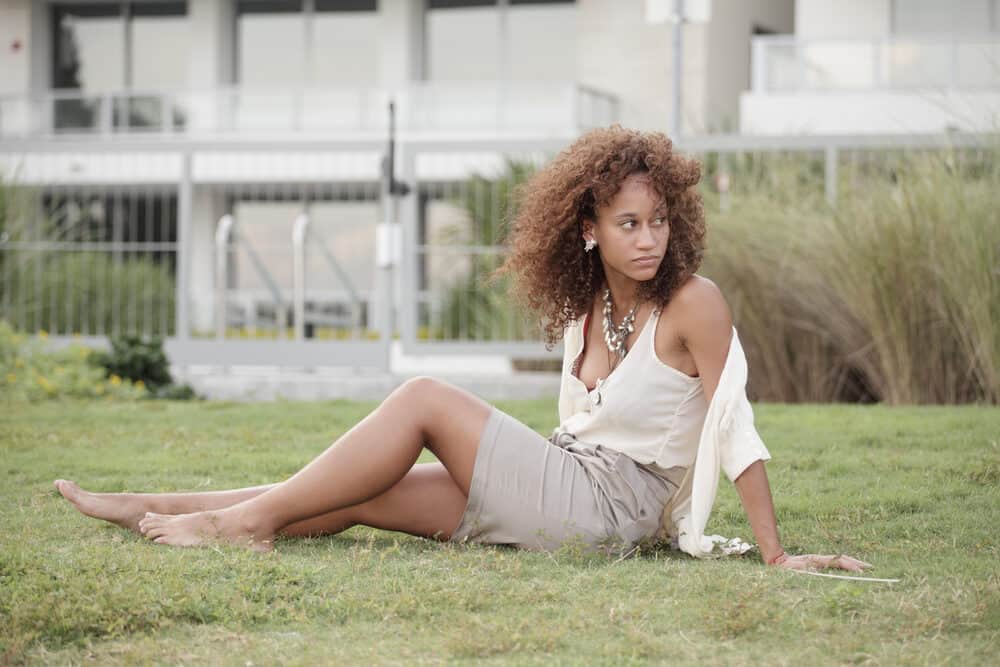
{"x": 817, "y": 562}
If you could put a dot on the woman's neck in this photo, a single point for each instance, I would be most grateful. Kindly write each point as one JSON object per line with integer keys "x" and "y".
{"x": 624, "y": 293}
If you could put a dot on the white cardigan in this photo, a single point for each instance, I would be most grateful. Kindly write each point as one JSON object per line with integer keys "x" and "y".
{"x": 729, "y": 441}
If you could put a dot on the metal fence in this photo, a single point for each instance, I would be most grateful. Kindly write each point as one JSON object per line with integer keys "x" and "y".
{"x": 289, "y": 252}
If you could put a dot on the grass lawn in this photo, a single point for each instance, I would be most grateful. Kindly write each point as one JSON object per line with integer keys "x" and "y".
{"x": 915, "y": 491}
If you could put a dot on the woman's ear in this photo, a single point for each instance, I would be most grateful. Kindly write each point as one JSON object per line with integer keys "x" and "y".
{"x": 588, "y": 230}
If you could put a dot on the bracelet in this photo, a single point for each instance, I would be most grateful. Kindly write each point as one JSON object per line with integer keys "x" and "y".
{"x": 780, "y": 558}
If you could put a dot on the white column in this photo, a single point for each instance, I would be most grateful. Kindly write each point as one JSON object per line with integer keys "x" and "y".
{"x": 208, "y": 206}
{"x": 401, "y": 37}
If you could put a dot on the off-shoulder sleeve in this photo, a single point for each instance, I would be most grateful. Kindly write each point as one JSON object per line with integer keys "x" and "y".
{"x": 741, "y": 445}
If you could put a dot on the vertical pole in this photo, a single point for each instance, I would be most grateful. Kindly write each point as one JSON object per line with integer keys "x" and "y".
{"x": 409, "y": 304}
{"x": 386, "y": 243}
{"x": 830, "y": 175}
{"x": 503, "y": 36}
{"x": 299, "y": 229}
{"x": 678, "y": 68}
{"x": 185, "y": 199}
{"x": 222, "y": 232}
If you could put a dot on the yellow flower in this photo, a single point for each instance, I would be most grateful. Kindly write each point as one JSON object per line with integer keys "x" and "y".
{"x": 19, "y": 363}
{"x": 46, "y": 385}
{"x": 115, "y": 380}
{"x": 139, "y": 384}
{"x": 43, "y": 334}
{"x": 11, "y": 378}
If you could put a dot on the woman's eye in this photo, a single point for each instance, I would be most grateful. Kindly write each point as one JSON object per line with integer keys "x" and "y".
{"x": 628, "y": 224}
{"x": 659, "y": 222}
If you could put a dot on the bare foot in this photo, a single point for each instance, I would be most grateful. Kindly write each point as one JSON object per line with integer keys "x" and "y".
{"x": 205, "y": 528}
{"x": 122, "y": 509}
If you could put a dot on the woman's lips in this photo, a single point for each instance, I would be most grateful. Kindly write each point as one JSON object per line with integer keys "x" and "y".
{"x": 649, "y": 260}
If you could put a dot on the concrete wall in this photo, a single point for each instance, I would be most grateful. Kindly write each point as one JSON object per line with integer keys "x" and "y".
{"x": 851, "y": 19}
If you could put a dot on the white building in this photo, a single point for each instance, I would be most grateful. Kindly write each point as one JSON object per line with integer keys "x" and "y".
{"x": 531, "y": 66}
{"x": 878, "y": 67}
{"x": 281, "y": 105}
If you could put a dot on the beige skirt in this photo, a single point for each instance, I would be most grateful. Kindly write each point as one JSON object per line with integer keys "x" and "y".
{"x": 541, "y": 494}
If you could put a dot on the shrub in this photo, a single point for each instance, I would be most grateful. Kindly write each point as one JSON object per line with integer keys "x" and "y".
{"x": 29, "y": 372}
{"x": 142, "y": 362}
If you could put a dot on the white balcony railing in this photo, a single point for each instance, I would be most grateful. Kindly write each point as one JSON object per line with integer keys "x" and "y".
{"x": 785, "y": 64}
{"x": 426, "y": 106}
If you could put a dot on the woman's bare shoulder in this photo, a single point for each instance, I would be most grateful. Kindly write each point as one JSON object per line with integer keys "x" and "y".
{"x": 699, "y": 310}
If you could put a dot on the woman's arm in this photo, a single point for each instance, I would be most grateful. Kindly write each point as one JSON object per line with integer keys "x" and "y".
{"x": 755, "y": 494}
{"x": 705, "y": 325}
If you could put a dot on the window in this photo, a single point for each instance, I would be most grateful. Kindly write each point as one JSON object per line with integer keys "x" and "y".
{"x": 111, "y": 47}
{"x": 520, "y": 40}
{"x": 307, "y": 43}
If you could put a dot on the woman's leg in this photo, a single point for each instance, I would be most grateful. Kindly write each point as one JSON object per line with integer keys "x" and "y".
{"x": 426, "y": 502}
{"x": 363, "y": 464}
{"x": 125, "y": 509}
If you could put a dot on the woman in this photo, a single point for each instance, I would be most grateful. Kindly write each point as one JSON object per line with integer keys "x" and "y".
{"x": 604, "y": 247}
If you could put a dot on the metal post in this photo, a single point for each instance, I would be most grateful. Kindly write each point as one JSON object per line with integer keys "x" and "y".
{"x": 185, "y": 199}
{"x": 409, "y": 303}
{"x": 678, "y": 66}
{"x": 503, "y": 35}
{"x": 299, "y": 229}
{"x": 222, "y": 232}
{"x": 830, "y": 175}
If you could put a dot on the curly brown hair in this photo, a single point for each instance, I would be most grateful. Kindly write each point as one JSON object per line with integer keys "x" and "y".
{"x": 552, "y": 274}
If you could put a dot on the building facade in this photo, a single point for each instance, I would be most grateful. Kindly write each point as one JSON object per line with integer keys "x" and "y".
{"x": 878, "y": 67}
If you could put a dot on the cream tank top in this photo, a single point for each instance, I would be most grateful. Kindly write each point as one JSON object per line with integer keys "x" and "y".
{"x": 649, "y": 411}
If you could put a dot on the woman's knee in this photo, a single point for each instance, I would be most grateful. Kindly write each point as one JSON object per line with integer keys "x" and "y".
{"x": 417, "y": 391}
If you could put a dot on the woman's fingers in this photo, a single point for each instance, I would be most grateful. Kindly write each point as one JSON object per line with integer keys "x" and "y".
{"x": 817, "y": 561}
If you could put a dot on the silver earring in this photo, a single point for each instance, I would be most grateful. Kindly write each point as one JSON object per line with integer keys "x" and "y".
{"x": 589, "y": 245}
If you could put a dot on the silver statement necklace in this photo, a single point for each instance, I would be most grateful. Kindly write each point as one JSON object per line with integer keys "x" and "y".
{"x": 615, "y": 336}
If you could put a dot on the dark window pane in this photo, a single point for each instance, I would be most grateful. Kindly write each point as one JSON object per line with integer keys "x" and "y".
{"x": 456, "y": 4}
{"x": 104, "y": 9}
{"x": 158, "y": 8}
{"x": 268, "y": 6}
{"x": 346, "y": 6}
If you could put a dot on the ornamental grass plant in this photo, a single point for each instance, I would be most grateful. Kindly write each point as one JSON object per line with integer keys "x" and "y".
{"x": 892, "y": 296}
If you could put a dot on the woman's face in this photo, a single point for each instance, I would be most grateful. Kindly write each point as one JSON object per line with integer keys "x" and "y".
{"x": 631, "y": 230}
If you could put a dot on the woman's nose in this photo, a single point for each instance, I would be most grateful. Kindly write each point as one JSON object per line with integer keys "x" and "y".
{"x": 646, "y": 237}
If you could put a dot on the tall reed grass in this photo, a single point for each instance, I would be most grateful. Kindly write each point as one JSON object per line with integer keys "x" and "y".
{"x": 892, "y": 296}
